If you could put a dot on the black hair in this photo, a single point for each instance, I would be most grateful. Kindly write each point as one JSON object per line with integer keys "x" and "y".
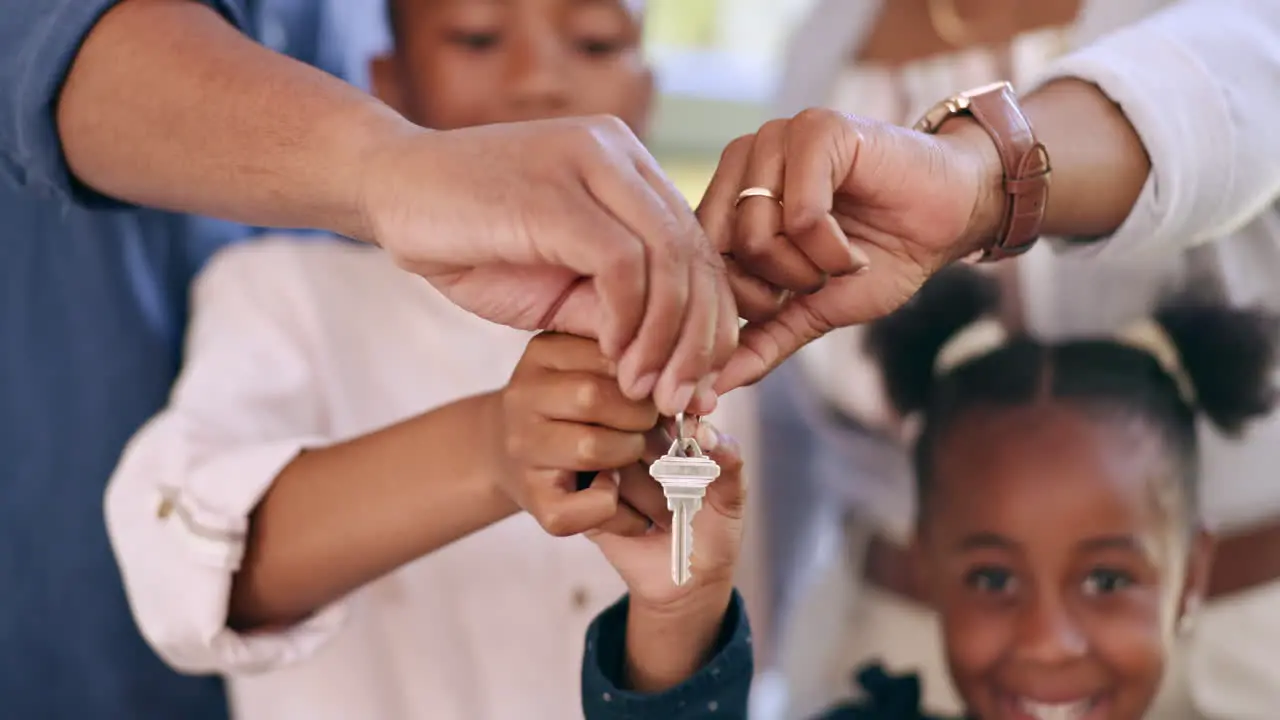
{"x": 1228, "y": 355}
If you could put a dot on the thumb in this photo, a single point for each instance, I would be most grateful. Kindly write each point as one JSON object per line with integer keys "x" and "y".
{"x": 764, "y": 346}
{"x": 728, "y": 494}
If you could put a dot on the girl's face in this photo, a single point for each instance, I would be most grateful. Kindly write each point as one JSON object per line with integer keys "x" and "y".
{"x": 1053, "y": 545}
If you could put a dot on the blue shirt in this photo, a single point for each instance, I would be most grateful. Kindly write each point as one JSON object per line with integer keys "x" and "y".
{"x": 92, "y": 310}
{"x": 720, "y": 689}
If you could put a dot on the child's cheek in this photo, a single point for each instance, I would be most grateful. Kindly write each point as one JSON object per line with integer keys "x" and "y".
{"x": 1128, "y": 634}
{"x": 977, "y": 636}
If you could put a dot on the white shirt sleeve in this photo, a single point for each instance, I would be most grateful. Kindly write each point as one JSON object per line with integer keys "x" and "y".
{"x": 1200, "y": 82}
{"x": 178, "y": 504}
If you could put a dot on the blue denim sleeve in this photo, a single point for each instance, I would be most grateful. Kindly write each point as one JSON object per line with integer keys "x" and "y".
{"x": 719, "y": 689}
{"x": 39, "y": 40}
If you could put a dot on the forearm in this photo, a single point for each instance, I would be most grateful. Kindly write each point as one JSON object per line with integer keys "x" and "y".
{"x": 167, "y": 105}
{"x": 665, "y": 648}
{"x": 1161, "y": 134}
{"x": 1099, "y": 162}
{"x": 336, "y": 519}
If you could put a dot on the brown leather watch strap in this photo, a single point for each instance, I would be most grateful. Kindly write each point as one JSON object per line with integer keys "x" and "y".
{"x": 1024, "y": 159}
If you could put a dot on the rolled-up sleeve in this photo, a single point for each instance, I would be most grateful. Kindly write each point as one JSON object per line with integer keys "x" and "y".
{"x": 719, "y": 690}
{"x": 178, "y": 505}
{"x": 39, "y": 40}
{"x": 1200, "y": 82}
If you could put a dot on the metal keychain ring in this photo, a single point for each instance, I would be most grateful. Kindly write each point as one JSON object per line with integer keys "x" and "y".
{"x": 681, "y": 417}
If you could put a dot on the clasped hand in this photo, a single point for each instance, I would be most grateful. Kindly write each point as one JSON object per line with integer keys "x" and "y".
{"x": 569, "y": 225}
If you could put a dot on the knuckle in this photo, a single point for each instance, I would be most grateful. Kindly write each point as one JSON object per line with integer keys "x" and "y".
{"x": 511, "y": 393}
{"x": 676, "y": 242}
{"x": 606, "y": 131}
{"x": 515, "y": 443}
{"x": 587, "y": 447}
{"x": 556, "y": 522}
{"x": 814, "y": 117}
{"x": 672, "y": 257}
{"x": 515, "y": 399}
{"x": 844, "y": 145}
{"x": 739, "y": 146}
{"x": 773, "y": 128}
{"x": 588, "y": 395}
{"x": 624, "y": 258}
{"x": 811, "y": 282}
{"x": 753, "y": 245}
{"x": 537, "y": 348}
{"x": 609, "y": 124}
{"x": 637, "y": 444}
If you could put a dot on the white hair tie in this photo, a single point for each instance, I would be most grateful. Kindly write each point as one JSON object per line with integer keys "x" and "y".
{"x": 986, "y": 335}
{"x": 978, "y": 338}
{"x": 1150, "y": 337}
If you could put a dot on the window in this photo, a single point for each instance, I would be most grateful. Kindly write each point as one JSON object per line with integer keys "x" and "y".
{"x": 721, "y": 49}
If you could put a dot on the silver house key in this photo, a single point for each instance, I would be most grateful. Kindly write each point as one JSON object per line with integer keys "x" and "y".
{"x": 684, "y": 472}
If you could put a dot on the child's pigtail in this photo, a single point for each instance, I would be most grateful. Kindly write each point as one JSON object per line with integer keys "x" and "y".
{"x": 1229, "y": 356}
{"x": 906, "y": 343}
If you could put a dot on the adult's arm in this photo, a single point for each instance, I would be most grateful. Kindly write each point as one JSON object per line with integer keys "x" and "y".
{"x": 235, "y": 510}
{"x": 165, "y": 103}
{"x": 1162, "y": 135}
{"x": 200, "y": 118}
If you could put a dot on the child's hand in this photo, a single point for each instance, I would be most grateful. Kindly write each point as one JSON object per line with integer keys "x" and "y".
{"x": 563, "y": 412}
{"x": 644, "y": 561}
{"x": 672, "y": 630}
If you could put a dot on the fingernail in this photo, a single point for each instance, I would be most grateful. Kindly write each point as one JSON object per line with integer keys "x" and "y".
{"x": 643, "y": 387}
{"x": 683, "y": 394}
{"x": 705, "y": 403}
{"x": 862, "y": 270}
{"x": 859, "y": 256}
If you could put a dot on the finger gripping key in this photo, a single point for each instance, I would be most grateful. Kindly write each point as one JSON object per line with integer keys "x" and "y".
{"x": 684, "y": 473}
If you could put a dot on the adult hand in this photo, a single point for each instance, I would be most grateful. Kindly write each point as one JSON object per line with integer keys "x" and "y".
{"x": 867, "y": 212}
{"x": 565, "y": 225}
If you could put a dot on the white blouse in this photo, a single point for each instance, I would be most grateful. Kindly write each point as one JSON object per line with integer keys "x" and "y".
{"x": 1200, "y": 82}
{"x": 1215, "y": 179}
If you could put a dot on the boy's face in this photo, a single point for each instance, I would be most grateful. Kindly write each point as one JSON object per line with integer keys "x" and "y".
{"x": 1059, "y": 561}
{"x": 460, "y": 63}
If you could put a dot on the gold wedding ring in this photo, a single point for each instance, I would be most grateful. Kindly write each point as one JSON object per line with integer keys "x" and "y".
{"x": 757, "y": 192}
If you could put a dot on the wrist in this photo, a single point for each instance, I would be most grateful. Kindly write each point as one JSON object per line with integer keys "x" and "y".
{"x": 493, "y": 420}
{"x": 363, "y": 140}
{"x": 978, "y": 155}
{"x": 667, "y": 643}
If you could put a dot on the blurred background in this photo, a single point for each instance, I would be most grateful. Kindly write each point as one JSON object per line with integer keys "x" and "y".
{"x": 717, "y": 63}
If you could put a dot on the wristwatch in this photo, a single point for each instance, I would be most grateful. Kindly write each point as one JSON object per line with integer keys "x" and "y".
{"x": 1025, "y": 162}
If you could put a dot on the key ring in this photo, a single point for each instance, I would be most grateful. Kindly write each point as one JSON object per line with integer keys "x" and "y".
{"x": 686, "y": 442}
{"x": 680, "y": 426}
